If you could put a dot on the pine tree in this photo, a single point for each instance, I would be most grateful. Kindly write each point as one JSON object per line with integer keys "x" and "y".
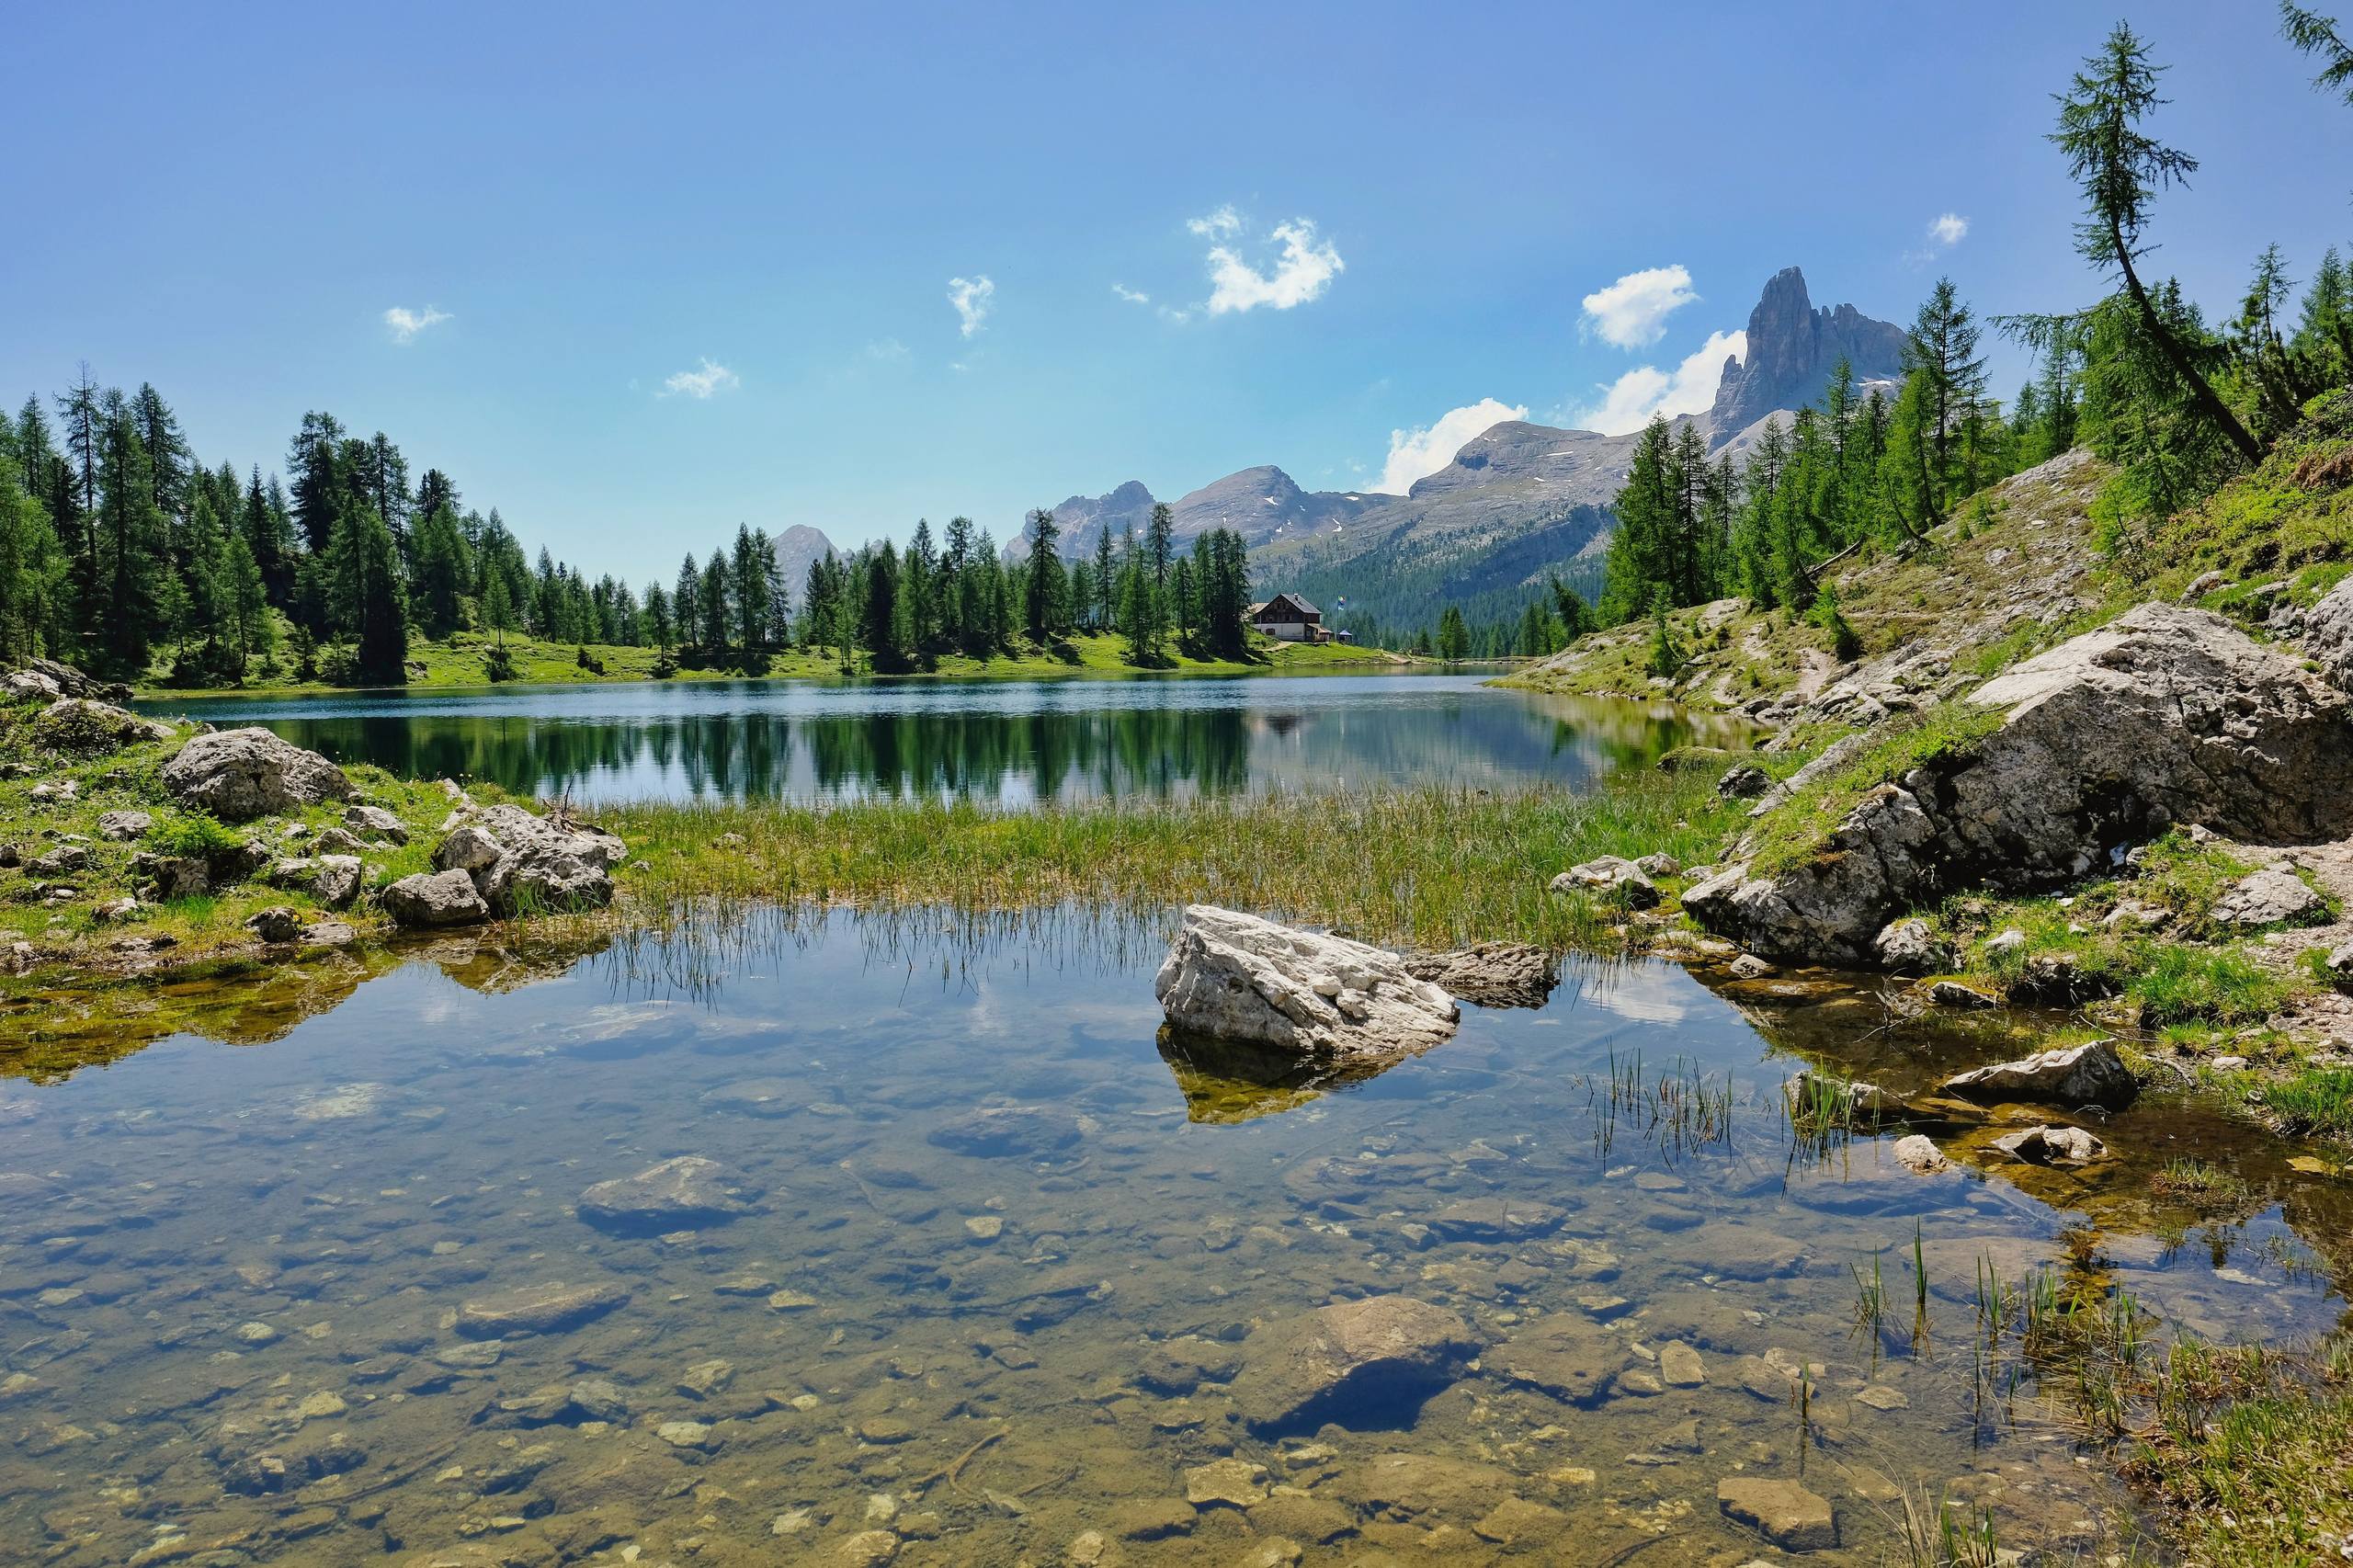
{"x": 1106, "y": 587}
{"x": 1046, "y": 597}
{"x": 2121, "y": 169}
{"x": 1453, "y": 636}
{"x": 366, "y": 600}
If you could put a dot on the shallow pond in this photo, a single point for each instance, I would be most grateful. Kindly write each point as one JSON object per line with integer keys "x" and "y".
{"x": 1002, "y": 742}
{"x": 983, "y": 1273}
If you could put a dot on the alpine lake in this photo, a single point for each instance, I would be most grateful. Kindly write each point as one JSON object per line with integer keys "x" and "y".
{"x": 865, "y": 1238}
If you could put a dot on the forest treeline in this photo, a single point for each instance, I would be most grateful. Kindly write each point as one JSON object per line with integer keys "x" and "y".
{"x": 124, "y": 554}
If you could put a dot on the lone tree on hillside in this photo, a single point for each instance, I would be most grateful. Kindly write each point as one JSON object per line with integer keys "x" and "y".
{"x": 2121, "y": 169}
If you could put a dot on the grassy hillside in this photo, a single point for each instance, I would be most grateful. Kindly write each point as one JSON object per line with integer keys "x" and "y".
{"x": 2033, "y": 560}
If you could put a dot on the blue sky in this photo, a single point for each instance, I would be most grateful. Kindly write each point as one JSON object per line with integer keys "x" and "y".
{"x": 615, "y": 210}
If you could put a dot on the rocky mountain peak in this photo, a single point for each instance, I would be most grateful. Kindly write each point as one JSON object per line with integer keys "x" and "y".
{"x": 1791, "y": 348}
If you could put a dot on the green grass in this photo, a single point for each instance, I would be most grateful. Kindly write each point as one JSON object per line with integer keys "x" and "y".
{"x": 2219, "y": 985}
{"x": 2252, "y": 1451}
{"x": 1431, "y": 866}
{"x": 2316, "y": 1103}
{"x": 2290, "y": 517}
{"x": 460, "y": 662}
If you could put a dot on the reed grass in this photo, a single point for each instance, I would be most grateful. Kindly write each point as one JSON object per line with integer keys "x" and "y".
{"x": 1427, "y": 867}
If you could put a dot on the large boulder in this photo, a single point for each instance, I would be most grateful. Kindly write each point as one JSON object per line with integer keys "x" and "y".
{"x": 2328, "y": 634}
{"x": 78, "y": 726}
{"x": 1365, "y": 1362}
{"x": 2167, "y": 715}
{"x": 520, "y": 863}
{"x": 238, "y": 775}
{"x": 1234, "y": 976}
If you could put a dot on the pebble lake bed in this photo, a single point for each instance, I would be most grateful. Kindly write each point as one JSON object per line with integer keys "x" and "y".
{"x": 842, "y": 1242}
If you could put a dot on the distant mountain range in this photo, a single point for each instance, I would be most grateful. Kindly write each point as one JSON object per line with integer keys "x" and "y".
{"x": 1518, "y": 503}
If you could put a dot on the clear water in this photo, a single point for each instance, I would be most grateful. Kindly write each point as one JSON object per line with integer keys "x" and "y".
{"x": 1007, "y": 742}
{"x": 234, "y": 1279}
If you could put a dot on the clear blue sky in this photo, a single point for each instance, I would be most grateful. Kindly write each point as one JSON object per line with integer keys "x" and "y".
{"x": 228, "y": 200}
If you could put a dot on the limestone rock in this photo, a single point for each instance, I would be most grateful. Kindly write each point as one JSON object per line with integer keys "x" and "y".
{"x": 277, "y": 924}
{"x": 2166, "y": 715}
{"x": 121, "y": 826}
{"x": 1236, "y": 977}
{"x": 437, "y": 898}
{"x": 238, "y": 775}
{"x": 677, "y": 1193}
{"x": 1919, "y": 1154}
{"x": 29, "y": 685}
{"x": 1744, "y": 782}
{"x": 1909, "y": 947}
{"x": 375, "y": 820}
{"x": 518, "y": 861}
{"x": 2076, "y": 1075}
{"x": 1569, "y": 1358}
{"x": 1611, "y": 876}
{"x": 80, "y": 727}
{"x": 538, "y": 1309}
{"x": 2328, "y": 634}
{"x": 2052, "y": 1146}
{"x": 1372, "y": 1359}
{"x": 1493, "y": 974}
{"x": 1782, "y": 1511}
{"x": 1953, "y": 993}
{"x": 1232, "y": 1483}
{"x": 2270, "y": 897}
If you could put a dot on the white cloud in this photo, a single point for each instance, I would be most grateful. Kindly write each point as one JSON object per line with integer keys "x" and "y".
{"x": 971, "y": 296}
{"x": 405, "y": 323}
{"x": 1415, "y": 454}
{"x": 1222, "y": 224}
{"x": 1132, "y": 295}
{"x": 886, "y": 348}
{"x": 701, "y": 383}
{"x": 1632, "y": 312}
{"x": 1949, "y": 230}
{"x": 1628, "y": 403}
{"x": 1302, "y": 272}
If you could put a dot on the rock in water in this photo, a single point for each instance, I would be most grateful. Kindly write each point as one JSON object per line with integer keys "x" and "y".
{"x": 1493, "y": 974}
{"x": 677, "y": 1193}
{"x": 1782, "y": 1511}
{"x": 1610, "y": 876}
{"x": 1371, "y": 1360}
{"x": 238, "y": 775}
{"x": 2166, "y": 715}
{"x": 1234, "y": 976}
{"x": 538, "y": 1309}
{"x": 2052, "y": 1146}
{"x": 2078, "y": 1074}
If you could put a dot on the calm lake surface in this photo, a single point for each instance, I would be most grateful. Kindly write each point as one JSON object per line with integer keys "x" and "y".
{"x": 980, "y": 1266}
{"x": 1002, "y": 742}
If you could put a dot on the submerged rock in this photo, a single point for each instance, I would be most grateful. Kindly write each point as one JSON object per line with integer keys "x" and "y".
{"x": 2052, "y": 1146}
{"x": 2167, "y": 715}
{"x": 1493, "y": 974}
{"x": 2076, "y": 1075}
{"x": 1919, "y": 1154}
{"x": 1781, "y": 1511}
{"x": 538, "y": 1309}
{"x": 1565, "y": 1355}
{"x": 238, "y": 775}
{"x": 679, "y": 1192}
{"x": 1234, "y": 976}
{"x": 1373, "y": 1361}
